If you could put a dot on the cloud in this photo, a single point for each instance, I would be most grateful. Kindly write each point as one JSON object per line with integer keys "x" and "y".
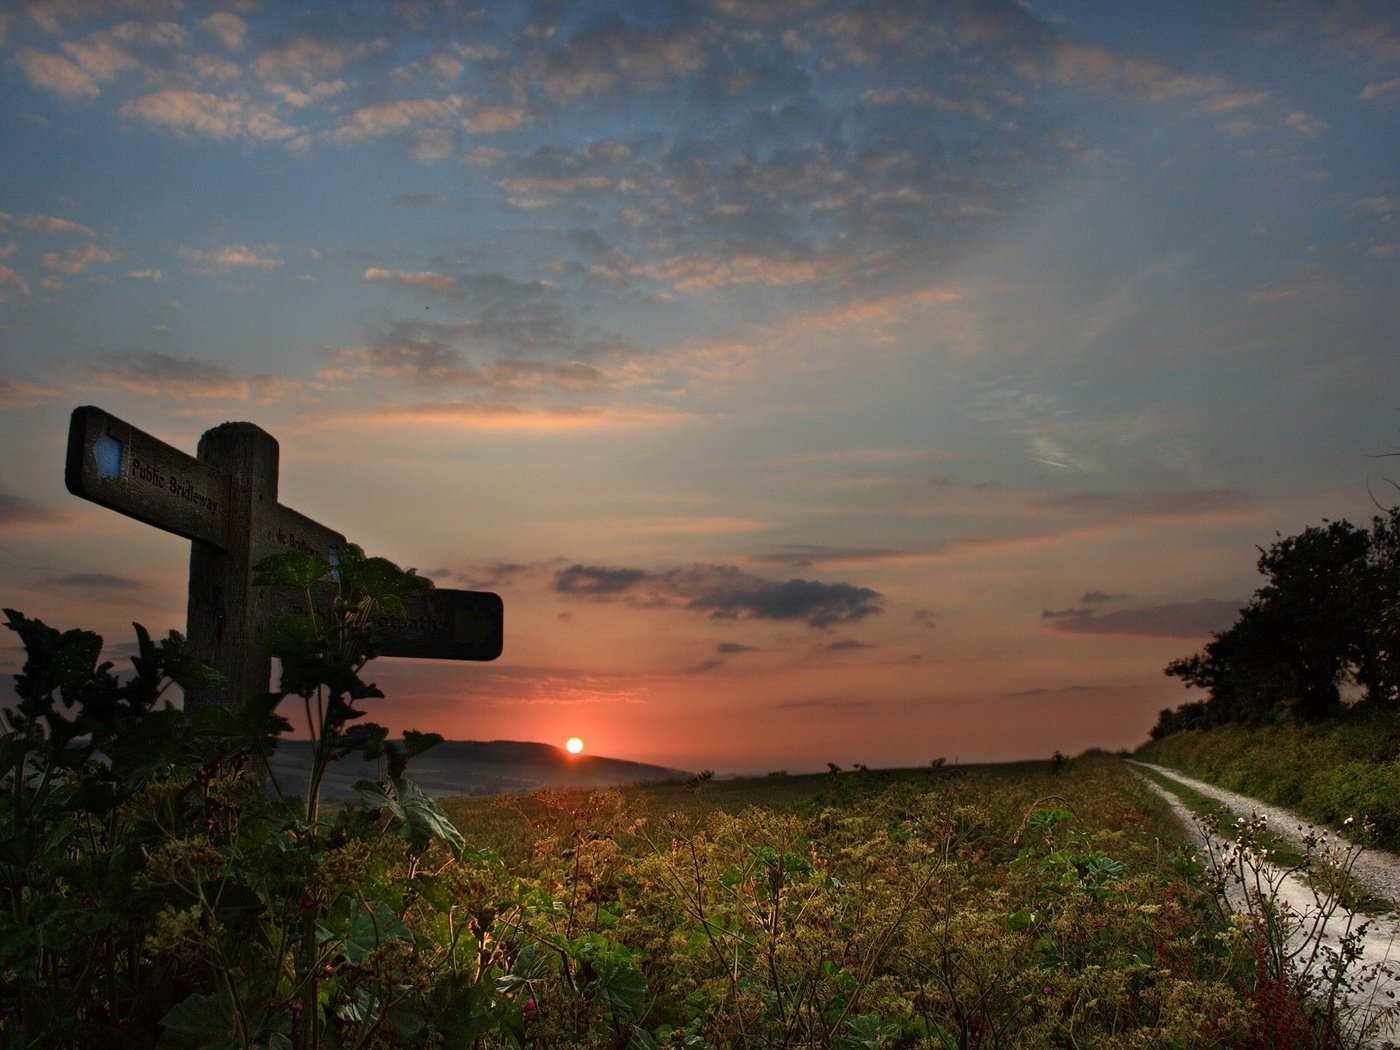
{"x": 494, "y": 417}
{"x": 305, "y": 70}
{"x": 846, "y": 645}
{"x": 15, "y": 394}
{"x": 839, "y": 705}
{"x": 1060, "y": 690}
{"x": 215, "y": 116}
{"x": 100, "y": 56}
{"x": 231, "y": 30}
{"x": 76, "y": 260}
{"x": 734, "y": 648}
{"x": 95, "y": 581}
{"x": 1094, "y": 597}
{"x": 1236, "y": 100}
{"x": 1304, "y": 124}
{"x": 1065, "y": 614}
{"x": 515, "y": 685}
{"x": 1217, "y": 504}
{"x": 613, "y": 57}
{"x": 425, "y": 355}
{"x": 491, "y": 120}
{"x": 53, "y": 225}
{"x": 427, "y": 279}
{"x": 724, "y": 593}
{"x": 15, "y": 511}
{"x": 1176, "y": 620}
{"x": 1381, "y": 91}
{"x": 707, "y": 272}
{"x": 157, "y": 374}
{"x": 1103, "y": 71}
{"x": 371, "y": 121}
{"x": 11, "y": 279}
{"x": 56, "y": 73}
{"x": 234, "y": 257}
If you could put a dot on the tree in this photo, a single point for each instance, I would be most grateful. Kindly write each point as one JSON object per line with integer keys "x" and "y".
{"x": 1317, "y": 613}
{"x": 1326, "y": 611}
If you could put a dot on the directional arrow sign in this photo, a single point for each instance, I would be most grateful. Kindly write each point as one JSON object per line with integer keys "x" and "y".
{"x": 440, "y": 624}
{"x": 225, "y": 502}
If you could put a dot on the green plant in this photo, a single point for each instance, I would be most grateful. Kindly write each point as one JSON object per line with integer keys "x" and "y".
{"x": 155, "y": 894}
{"x": 1306, "y": 944}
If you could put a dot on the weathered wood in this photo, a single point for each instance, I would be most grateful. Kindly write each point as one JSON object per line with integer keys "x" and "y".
{"x": 225, "y": 502}
{"x": 112, "y": 463}
{"x": 439, "y": 624}
{"x": 227, "y": 617}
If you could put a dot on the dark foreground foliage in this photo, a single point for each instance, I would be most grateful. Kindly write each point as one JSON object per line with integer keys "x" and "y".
{"x": 154, "y": 893}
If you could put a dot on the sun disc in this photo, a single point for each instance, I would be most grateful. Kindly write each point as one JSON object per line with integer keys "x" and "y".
{"x": 573, "y": 745}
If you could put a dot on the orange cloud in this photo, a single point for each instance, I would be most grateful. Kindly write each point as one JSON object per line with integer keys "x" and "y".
{"x": 505, "y": 418}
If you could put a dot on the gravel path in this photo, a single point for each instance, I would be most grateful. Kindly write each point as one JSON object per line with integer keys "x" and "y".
{"x": 1375, "y": 869}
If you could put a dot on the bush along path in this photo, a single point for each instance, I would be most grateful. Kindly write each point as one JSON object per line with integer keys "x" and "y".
{"x": 1323, "y": 903}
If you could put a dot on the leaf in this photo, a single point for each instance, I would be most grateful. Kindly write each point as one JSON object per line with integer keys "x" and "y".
{"x": 415, "y": 743}
{"x": 424, "y": 819}
{"x": 372, "y": 928}
{"x": 378, "y": 579}
{"x": 200, "y": 1022}
{"x": 1020, "y": 920}
{"x": 291, "y": 568}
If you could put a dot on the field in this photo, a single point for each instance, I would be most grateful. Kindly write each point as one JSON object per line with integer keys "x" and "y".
{"x": 1028, "y": 905}
{"x": 1020, "y": 905}
{"x": 155, "y": 892}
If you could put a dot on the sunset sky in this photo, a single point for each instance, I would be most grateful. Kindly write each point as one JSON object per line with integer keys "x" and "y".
{"x": 815, "y": 381}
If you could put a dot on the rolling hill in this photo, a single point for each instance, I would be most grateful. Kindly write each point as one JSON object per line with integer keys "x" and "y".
{"x": 471, "y": 767}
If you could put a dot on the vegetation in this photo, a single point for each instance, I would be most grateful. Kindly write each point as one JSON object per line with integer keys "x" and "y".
{"x": 155, "y": 891}
{"x": 1327, "y": 615}
{"x": 1348, "y": 766}
{"x": 1302, "y": 705}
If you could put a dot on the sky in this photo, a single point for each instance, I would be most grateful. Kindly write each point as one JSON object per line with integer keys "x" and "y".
{"x": 855, "y": 382}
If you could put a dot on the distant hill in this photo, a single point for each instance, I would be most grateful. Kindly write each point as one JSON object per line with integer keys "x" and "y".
{"x": 471, "y": 767}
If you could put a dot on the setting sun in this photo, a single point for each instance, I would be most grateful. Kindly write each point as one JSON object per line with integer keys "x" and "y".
{"x": 573, "y": 745}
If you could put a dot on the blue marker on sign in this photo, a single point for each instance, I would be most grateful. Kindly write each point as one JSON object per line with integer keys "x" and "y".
{"x": 107, "y": 451}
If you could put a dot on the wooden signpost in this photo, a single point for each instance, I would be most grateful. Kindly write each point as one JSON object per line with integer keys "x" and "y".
{"x": 224, "y": 500}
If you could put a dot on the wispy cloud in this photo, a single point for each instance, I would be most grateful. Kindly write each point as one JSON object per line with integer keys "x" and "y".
{"x": 161, "y": 375}
{"x": 87, "y": 581}
{"x": 15, "y": 512}
{"x": 427, "y": 279}
{"x": 15, "y": 394}
{"x": 77, "y": 260}
{"x": 234, "y": 257}
{"x": 610, "y": 58}
{"x": 214, "y": 116}
{"x": 1381, "y": 91}
{"x": 504, "y": 418}
{"x": 12, "y": 281}
{"x": 723, "y": 592}
{"x": 1175, "y": 620}
{"x": 385, "y": 118}
{"x": 52, "y": 224}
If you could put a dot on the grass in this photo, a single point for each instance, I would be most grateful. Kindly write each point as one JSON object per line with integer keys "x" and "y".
{"x": 1348, "y": 767}
{"x": 1283, "y": 853}
{"x": 506, "y": 823}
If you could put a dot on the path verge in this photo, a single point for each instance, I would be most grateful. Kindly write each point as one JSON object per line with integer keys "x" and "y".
{"x": 1376, "y": 871}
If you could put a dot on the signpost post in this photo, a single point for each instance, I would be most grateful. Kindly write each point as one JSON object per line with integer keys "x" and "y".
{"x": 224, "y": 500}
